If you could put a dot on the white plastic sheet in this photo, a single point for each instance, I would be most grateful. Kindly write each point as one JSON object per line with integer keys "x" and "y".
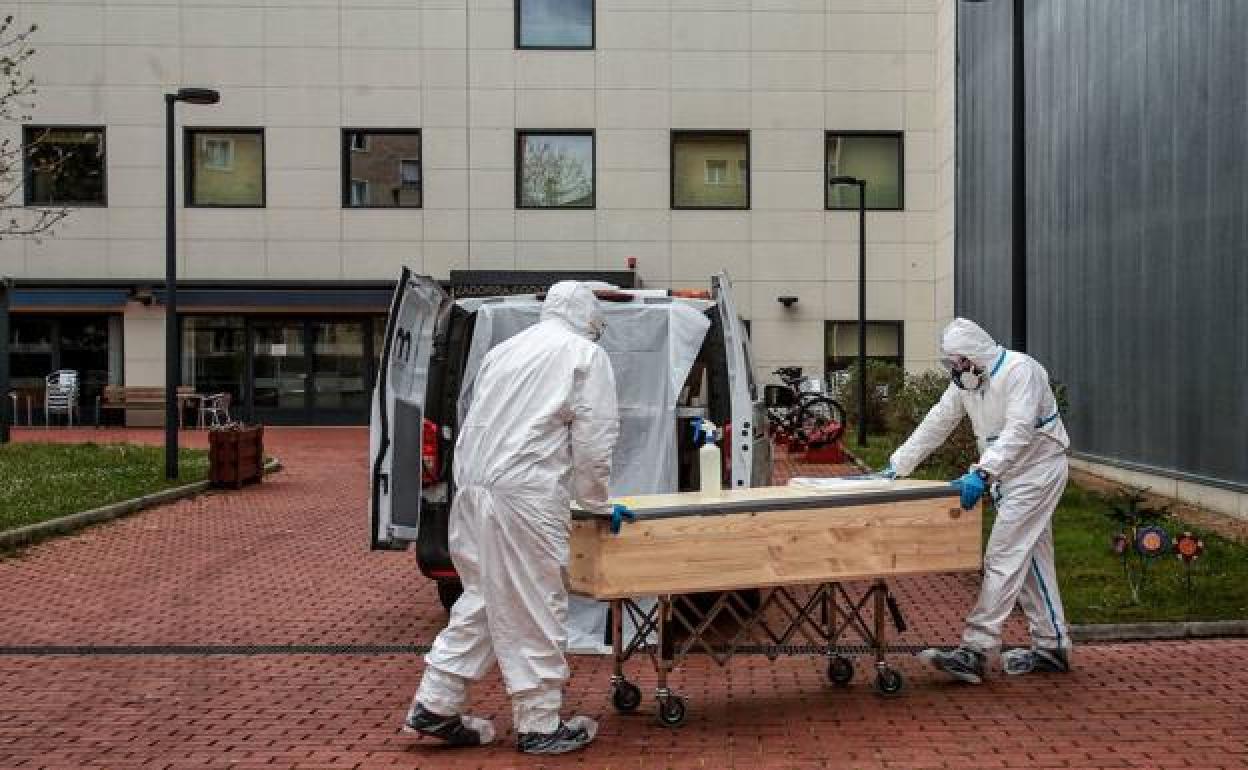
{"x": 644, "y": 340}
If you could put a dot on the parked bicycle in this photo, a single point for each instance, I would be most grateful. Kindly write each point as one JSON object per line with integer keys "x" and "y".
{"x": 800, "y": 409}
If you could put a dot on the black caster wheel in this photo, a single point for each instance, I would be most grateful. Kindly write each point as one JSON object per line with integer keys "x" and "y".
{"x": 840, "y": 671}
{"x": 626, "y": 697}
{"x": 672, "y": 711}
{"x": 888, "y": 682}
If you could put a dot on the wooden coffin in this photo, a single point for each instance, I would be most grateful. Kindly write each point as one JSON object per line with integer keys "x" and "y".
{"x": 772, "y": 536}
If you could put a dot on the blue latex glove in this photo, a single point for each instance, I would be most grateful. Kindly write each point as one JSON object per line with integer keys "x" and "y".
{"x": 888, "y": 474}
{"x": 619, "y": 515}
{"x": 972, "y": 487}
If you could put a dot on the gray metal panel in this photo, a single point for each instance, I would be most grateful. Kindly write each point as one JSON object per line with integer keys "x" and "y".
{"x": 405, "y": 479}
{"x": 1137, "y": 113}
{"x": 982, "y": 269}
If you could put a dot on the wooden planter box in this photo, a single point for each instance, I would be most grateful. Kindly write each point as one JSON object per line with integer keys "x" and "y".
{"x": 236, "y": 457}
{"x": 773, "y": 536}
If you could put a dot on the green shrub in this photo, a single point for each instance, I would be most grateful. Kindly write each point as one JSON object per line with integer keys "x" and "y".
{"x": 907, "y": 407}
{"x": 883, "y": 380}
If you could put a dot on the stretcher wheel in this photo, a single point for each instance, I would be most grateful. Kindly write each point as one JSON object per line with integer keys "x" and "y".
{"x": 888, "y": 681}
{"x": 626, "y": 697}
{"x": 840, "y": 671}
{"x": 672, "y": 710}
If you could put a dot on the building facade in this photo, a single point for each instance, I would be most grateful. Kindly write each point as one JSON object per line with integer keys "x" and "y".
{"x": 355, "y": 136}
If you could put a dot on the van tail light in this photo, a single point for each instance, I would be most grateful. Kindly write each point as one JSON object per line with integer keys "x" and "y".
{"x": 690, "y": 293}
{"x": 725, "y": 452}
{"x": 430, "y": 466}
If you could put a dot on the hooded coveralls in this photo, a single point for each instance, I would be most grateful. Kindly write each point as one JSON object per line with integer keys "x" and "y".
{"x": 540, "y": 430}
{"x": 1022, "y": 444}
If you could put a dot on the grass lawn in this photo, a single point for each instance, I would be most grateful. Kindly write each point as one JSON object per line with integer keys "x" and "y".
{"x": 1094, "y": 587}
{"x": 44, "y": 481}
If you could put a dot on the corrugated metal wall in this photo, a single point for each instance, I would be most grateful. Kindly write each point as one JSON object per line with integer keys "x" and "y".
{"x": 981, "y": 282}
{"x": 1137, "y": 171}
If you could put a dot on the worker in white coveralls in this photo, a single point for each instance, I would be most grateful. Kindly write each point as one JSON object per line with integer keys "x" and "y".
{"x": 540, "y": 430}
{"x": 1022, "y": 462}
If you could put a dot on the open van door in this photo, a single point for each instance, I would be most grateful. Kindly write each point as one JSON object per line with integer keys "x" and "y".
{"x": 397, "y": 425}
{"x": 751, "y": 455}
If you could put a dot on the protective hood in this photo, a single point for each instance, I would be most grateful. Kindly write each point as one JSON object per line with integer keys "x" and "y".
{"x": 573, "y": 303}
{"x": 964, "y": 338}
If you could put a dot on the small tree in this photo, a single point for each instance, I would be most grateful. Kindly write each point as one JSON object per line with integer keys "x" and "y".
{"x": 17, "y": 92}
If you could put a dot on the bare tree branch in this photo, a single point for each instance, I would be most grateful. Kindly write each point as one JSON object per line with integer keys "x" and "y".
{"x": 17, "y": 91}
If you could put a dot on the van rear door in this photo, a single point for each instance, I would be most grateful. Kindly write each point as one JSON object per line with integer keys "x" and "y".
{"x": 397, "y": 424}
{"x": 750, "y": 446}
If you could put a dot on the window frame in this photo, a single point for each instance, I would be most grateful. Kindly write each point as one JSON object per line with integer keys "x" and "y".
{"x": 593, "y": 32}
{"x": 348, "y": 148}
{"x": 900, "y": 325}
{"x": 189, "y": 133}
{"x": 671, "y": 173}
{"x": 28, "y": 173}
{"x": 901, "y": 169}
{"x": 521, "y": 133}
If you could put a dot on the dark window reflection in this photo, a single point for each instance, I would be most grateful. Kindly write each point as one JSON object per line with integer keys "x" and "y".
{"x": 64, "y": 166}
{"x": 214, "y": 356}
{"x": 382, "y": 169}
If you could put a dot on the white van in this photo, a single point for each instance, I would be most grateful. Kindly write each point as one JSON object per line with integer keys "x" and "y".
{"x": 677, "y": 356}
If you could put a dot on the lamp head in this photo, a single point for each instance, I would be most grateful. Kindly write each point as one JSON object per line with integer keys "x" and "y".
{"x": 197, "y": 95}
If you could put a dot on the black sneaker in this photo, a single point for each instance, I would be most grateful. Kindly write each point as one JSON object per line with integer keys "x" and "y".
{"x": 574, "y": 734}
{"x": 1035, "y": 660}
{"x": 455, "y": 731}
{"x": 962, "y": 663}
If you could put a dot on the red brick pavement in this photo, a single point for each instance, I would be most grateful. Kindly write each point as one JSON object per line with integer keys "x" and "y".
{"x": 287, "y": 563}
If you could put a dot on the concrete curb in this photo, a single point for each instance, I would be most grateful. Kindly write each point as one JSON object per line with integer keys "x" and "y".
{"x": 21, "y": 536}
{"x": 1142, "y": 632}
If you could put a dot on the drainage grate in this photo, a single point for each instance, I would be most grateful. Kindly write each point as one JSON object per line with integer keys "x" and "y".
{"x": 383, "y": 649}
{"x": 219, "y": 649}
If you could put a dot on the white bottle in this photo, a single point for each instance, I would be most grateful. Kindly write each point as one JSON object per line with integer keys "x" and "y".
{"x": 709, "y": 462}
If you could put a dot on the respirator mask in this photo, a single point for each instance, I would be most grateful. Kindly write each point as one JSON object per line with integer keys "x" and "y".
{"x": 964, "y": 373}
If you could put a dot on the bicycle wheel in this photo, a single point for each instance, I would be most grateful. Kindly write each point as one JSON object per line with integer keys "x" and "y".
{"x": 821, "y": 417}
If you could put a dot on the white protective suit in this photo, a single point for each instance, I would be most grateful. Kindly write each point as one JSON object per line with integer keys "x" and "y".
{"x": 1022, "y": 445}
{"x": 540, "y": 430}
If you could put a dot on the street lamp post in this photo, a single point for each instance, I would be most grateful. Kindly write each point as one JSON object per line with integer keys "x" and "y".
{"x": 172, "y": 353}
{"x": 6, "y": 286}
{"x": 862, "y": 299}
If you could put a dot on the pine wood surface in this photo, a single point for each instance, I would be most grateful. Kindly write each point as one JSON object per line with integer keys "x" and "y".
{"x": 779, "y": 546}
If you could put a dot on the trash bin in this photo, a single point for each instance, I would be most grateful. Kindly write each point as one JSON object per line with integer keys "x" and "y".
{"x": 235, "y": 455}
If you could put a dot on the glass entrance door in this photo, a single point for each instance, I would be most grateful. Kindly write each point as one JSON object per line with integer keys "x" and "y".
{"x": 280, "y": 367}
{"x": 311, "y": 371}
{"x": 339, "y": 381}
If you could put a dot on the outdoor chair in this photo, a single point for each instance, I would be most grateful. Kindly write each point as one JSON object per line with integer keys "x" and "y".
{"x": 214, "y": 410}
{"x": 60, "y": 395}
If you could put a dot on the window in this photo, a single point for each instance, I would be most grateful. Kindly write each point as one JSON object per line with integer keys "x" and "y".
{"x": 64, "y": 166}
{"x": 225, "y": 168}
{"x": 873, "y": 156}
{"x": 381, "y": 168}
{"x": 710, "y": 170}
{"x": 883, "y": 343}
{"x": 554, "y": 23}
{"x": 218, "y": 154}
{"x": 716, "y": 171}
{"x": 409, "y": 174}
{"x": 39, "y": 345}
{"x": 555, "y": 169}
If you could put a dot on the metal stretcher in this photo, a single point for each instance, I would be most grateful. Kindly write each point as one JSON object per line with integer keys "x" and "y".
{"x": 774, "y": 571}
